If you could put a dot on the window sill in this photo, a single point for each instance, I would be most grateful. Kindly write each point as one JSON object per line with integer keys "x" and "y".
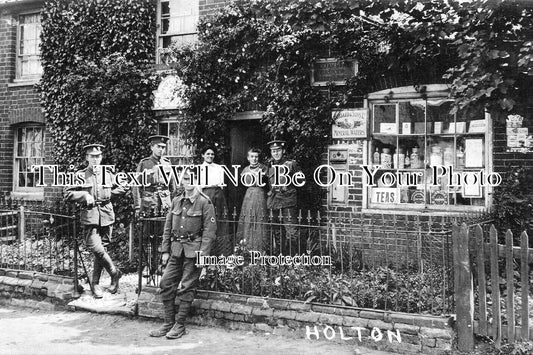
{"x": 421, "y": 211}
{"x": 23, "y": 82}
{"x": 28, "y": 196}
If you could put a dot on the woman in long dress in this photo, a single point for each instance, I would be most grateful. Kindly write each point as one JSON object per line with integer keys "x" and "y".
{"x": 213, "y": 189}
{"x": 252, "y": 222}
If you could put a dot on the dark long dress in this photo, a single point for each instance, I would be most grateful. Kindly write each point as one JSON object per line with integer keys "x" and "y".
{"x": 252, "y": 228}
{"x": 223, "y": 244}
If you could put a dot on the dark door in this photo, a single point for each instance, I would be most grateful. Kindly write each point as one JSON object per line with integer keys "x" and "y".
{"x": 243, "y": 135}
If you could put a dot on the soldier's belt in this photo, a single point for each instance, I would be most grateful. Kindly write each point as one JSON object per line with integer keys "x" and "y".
{"x": 98, "y": 204}
{"x": 175, "y": 237}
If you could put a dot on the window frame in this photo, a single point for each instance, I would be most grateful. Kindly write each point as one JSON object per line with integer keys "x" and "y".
{"x": 160, "y": 35}
{"x": 35, "y": 192}
{"x": 406, "y": 94}
{"x": 19, "y": 77}
{"x": 181, "y": 159}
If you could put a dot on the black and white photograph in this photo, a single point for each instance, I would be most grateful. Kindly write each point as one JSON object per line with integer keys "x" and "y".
{"x": 266, "y": 176}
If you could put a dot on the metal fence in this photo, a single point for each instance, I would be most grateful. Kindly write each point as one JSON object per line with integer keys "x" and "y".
{"x": 38, "y": 236}
{"x": 390, "y": 262}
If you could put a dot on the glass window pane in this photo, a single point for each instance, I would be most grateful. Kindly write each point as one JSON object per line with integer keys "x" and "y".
{"x": 28, "y": 61}
{"x": 165, "y": 8}
{"x": 385, "y": 119}
{"x": 22, "y": 180}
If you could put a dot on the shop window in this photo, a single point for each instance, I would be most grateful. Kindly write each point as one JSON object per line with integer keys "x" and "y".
{"x": 29, "y": 151}
{"x": 178, "y": 151}
{"x": 410, "y": 139}
{"x": 28, "y": 52}
{"x": 177, "y": 23}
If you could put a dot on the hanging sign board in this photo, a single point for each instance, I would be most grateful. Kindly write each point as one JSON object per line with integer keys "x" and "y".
{"x": 332, "y": 70}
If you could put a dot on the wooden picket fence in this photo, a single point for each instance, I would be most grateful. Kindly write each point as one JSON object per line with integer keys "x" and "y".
{"x": 474, "y": 250}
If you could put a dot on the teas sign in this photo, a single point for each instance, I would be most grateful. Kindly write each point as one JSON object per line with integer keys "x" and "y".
{"x": 385, "y": 195}
{"x": 332, "y": 70}
{"x": 351, "y": 123}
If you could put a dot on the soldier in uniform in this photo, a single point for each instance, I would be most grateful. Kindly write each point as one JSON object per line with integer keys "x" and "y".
{"x": 97, "y": 215}
{"x": 282, "y": 200}
{"x": 190, "y": 226}
{"x": 153, "y": 199}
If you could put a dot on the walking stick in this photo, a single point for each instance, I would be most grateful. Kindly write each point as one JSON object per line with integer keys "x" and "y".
{"x": 84, "y": 268}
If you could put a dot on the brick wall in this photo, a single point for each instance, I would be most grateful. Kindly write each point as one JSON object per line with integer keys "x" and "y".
{"x": 18, "y": 103}
{"x": 316, "y": 322}
{"x": 36, "y": 290}
{"x": 503, "y": 160}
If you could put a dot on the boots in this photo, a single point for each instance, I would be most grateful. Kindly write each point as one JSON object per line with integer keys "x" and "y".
{"x": 170, "y": 313}
{"x": 95, "y": 280}
{"x": 113, "y": 271}
{"x": 178, "y": 330}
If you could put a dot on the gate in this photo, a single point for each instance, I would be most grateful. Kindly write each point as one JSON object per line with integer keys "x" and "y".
{"x": 492, "y": 283}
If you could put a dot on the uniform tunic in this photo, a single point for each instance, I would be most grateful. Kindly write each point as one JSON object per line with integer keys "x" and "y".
{"x": 157, "y": 196}
{"x": 282, "y": 196}
{"x": 190, "y": 226}
{"x": 283, "y": 199}
{"x": 98, "y": 218}
{"x": 101, "y": 213}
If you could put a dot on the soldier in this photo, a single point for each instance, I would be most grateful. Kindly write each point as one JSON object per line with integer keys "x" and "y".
{"x": 155, "y": 197}
{"x": 282, "y": 199}
{"x": 97, "y": 215}
{"x": 190, "y": 226}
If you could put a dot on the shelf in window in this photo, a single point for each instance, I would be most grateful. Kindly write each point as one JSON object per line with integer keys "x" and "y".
{"x": 451, "y": 135}
{"x": 399, "y": 134}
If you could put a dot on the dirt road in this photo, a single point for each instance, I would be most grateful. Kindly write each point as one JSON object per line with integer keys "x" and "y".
{"x": 29, "y": 331}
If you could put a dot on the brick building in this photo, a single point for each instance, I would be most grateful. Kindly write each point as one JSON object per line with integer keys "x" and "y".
{"x": 24, "y": 139}
{"x": 413, "y": 125}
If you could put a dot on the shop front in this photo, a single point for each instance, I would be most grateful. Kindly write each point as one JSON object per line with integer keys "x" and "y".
{"x": 412, "y": 155}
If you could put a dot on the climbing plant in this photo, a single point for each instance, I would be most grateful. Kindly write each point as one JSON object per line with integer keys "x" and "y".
{"x": 258, "y": 54}
{"x": 97, "y": 82}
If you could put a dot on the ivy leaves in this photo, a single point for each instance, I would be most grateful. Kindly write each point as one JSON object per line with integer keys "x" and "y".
{"x": 97, "y": 84}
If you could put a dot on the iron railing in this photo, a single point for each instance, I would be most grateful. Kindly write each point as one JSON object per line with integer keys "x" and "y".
{"x": 386, "y": 255}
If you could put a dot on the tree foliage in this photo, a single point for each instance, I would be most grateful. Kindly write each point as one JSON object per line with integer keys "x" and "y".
{"x": 96, "y": 85}
{"x": 258, "y": 54}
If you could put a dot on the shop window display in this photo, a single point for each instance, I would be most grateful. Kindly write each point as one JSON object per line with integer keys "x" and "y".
{"x": 410, "y": 139}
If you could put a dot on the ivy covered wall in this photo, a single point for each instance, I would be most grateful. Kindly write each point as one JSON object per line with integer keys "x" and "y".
{"x": 258, "y": 54}
{"x": 97, "y": 82}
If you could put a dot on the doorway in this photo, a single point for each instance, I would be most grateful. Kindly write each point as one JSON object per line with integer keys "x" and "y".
{"x": 244, "y": 134}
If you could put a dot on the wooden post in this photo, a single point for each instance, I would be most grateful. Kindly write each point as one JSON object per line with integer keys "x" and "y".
{"x": 482, "y": 278}
{"x": 130, "y": 242}
{"x": 21, "y": 224}
{"x": 524, "y": 275}
{"x": 495, "y": 286}
{"x": 510, "y": 285}
{"x": 464, "y": 289}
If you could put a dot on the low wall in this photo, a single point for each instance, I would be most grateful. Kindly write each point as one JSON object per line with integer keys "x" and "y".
{"x": 393, "y": 331}
{"x": 34, "y": 289}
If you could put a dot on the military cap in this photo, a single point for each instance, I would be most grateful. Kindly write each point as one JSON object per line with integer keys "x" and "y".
{"x": 93, "y": 149}
{"x": 158, "y": 139}
{"x": 276, "y": 144}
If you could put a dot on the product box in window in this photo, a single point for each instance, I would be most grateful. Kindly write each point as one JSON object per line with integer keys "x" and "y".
{"x": 437, "y": 127}
{"x": 406, "y": 128}
{"x": 439, "y": 197}
{"x": 418, "y": 197}
{"x": 419, "y": 128}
